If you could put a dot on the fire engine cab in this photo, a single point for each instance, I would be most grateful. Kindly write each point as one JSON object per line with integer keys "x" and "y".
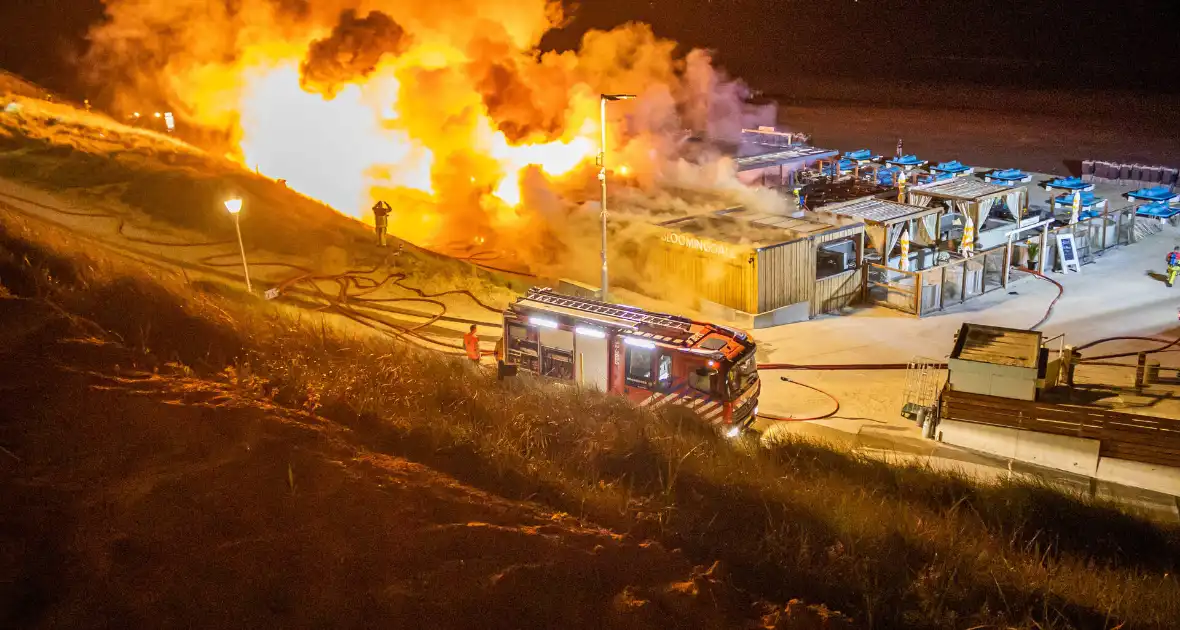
{"x": 651, "y": 358}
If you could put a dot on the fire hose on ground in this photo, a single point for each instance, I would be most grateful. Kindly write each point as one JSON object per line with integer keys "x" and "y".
{"x": 344, "y": 302}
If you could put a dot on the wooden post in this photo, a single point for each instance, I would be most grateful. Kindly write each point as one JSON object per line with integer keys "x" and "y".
{"x": 963, "y": 288}
{"x": 941, "y": 295}
{"x": 918, "y": 293}
{"x": 1007, "y": 263}
{"x": 1044, "y": 248}
{"x": 864, "y": 271}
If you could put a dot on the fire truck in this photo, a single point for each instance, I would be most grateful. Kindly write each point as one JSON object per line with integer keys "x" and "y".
{"x": 651, "y": 358}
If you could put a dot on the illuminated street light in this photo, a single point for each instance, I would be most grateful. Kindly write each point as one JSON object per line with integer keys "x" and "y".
{"x": 602, "y": 178}
{"x": 234, "y": 206}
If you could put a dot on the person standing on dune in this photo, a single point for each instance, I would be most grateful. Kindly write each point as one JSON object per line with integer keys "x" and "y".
{"x": 381, "y": 212}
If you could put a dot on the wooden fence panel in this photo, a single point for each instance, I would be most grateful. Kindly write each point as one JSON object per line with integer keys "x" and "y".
{"x": 1134, "y": 437}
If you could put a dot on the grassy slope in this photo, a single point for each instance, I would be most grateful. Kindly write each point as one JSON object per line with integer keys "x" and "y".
{"x": 893, "y": 546}
{"x": 142, "y": 492}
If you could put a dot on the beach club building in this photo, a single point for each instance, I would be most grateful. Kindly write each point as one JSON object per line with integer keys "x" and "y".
{"x": 761, "y": 269}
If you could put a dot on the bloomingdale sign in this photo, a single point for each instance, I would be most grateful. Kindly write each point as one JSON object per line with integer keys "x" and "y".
{"x": 692, "y": 242}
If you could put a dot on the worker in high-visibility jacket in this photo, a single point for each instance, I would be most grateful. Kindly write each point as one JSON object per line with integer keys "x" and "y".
{"x": 471, "y": 345}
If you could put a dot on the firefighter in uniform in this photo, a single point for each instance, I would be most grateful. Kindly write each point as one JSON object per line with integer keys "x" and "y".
{"x": 381, "y": 212}
{"x": 471, "y": 345}
{"x": 499, "y": 354}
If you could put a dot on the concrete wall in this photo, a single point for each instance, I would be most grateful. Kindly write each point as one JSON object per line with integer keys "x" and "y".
{"x": 1164, "y": 479}
{"x": 790, "y": 314}
{"x": 1075, "y": 455}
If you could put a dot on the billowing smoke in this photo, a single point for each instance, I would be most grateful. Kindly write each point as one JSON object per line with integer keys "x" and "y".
{"x": 352, "y": 51}
{"x": 445, "y": 108}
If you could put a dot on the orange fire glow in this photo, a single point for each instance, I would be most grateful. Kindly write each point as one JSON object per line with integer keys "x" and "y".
{"x": 445, "y": 109}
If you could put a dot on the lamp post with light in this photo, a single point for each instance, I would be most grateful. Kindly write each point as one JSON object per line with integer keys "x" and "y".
{"x": 234, "y": 206}
{"x": 602, "y": 178}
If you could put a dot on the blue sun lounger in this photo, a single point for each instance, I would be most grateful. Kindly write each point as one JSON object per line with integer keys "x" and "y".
{"x": 1161, "y": 194}
{"x": 861, "y": 156}
{"x": 887, "y": 176}
{"x": 1069, "y": 183}
{"x": 838, "y": 168}
{"x": 954, "y": 168}
{"x": 906, "y": 161}
{"x": 936, "y": 176}
{"x": 1089, "y": 202}
{"x": 1007, "y": 177}
{"x": 1157, "y": 210}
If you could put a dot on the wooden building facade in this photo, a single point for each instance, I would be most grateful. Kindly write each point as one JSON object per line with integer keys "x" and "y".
{"x": 757, "y": 263}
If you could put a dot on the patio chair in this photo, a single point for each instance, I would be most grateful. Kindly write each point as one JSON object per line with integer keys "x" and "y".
{"x": 1124, "y": 173}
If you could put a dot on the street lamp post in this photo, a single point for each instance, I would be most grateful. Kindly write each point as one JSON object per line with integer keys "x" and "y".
{"x": 602, "y": 179}
{"x": 234, "y": 206}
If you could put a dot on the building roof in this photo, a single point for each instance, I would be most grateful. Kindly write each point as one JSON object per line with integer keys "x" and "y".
{"x": 725, "y": 232}
{"x": 964, "y": 188}
{"x": 998, "y": 346}
{"x": 753, "y": 155}
{"x": 753, "y": 229}
{"x": 880, "y": 211}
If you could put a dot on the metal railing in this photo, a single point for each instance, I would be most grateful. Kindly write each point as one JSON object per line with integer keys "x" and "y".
{"x": 934, "y": 289}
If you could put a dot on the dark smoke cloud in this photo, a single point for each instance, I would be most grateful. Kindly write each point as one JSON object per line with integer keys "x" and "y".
{"x": 353, "y": 51}
{"x": 512, "y": 105}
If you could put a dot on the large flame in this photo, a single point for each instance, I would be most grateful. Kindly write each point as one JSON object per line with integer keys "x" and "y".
{"x": 444, "y": 109}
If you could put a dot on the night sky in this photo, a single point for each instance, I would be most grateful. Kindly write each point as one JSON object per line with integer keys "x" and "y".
{"x": 1124, "y": 44}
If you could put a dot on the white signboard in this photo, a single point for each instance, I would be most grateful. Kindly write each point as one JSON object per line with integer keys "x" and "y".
{"x": 1067, "y": 253}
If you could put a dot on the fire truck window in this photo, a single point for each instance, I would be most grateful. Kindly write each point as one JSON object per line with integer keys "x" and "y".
{"x": 516, "y": 334}
{"x": 639, "y": 366}
{"x": 701, "y": 379}
{"x": 557, "y": 363}
{"x": 665, "y": 372}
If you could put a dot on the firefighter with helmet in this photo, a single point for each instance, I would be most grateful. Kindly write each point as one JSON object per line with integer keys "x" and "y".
{"x": 381, "y": 212}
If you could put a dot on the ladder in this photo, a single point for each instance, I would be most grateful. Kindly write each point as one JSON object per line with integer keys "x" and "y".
{"x": 924, "y": 379}
{"x": 547, "y": 296}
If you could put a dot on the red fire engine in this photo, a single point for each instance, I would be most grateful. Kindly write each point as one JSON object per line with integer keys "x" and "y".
{"x": 651, "y": 358}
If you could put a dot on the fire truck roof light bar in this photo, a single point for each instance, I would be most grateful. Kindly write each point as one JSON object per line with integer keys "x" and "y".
{"x": 639, "y": 343}
{"x": 593, "y": 306}
{"x": 591, "y": 332}
{"x": 547, "y": 323}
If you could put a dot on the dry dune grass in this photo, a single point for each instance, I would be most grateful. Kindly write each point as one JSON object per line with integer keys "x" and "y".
{"x": 892, "y": 546}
